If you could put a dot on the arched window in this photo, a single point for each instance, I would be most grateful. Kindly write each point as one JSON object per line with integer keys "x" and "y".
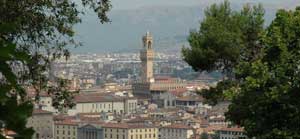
{"x": 149, "y": 44}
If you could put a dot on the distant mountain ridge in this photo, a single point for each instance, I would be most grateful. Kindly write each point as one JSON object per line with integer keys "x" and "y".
{"x": 170, "y": 26}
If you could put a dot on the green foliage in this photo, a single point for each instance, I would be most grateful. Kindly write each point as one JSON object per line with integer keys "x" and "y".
{"x": 225, "y": 38}
{"x": 264, "y": 90}
{"x": 204, "y": 135}
{"x": 268, "y": 105}
{"x": 33, "y": 33}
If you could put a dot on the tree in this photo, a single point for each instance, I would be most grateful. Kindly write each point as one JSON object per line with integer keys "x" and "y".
{"x": 225, "y": 39}
{"x": 267, "y": 105}
{"x": 263, "y": 88}
{"x": 33, "y": 33}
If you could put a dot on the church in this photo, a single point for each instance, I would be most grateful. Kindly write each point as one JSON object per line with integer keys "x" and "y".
{"x": 148, "y": 85}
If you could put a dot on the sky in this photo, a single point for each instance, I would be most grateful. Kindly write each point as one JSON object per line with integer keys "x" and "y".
{"x": 132, "y": 4}
{"x": 166, "y": 19}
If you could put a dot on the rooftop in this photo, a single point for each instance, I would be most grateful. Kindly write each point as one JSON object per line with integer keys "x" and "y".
{"x": 40, "y": 111}
{"x": 178, "y": 126}
{"x": 97, "y": 97}
{"x": 232, "y": 129}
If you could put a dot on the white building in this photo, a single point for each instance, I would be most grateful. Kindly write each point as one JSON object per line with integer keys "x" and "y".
{"x": 42, "y": 123}
{"x": 95, "y": 103}
{"x": 232, "y": 133}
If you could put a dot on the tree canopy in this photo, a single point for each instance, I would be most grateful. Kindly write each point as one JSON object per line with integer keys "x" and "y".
{"x": 33, "y": 33}
{"x": 263, "y": 83}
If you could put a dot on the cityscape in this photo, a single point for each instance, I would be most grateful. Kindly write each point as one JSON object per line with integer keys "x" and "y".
{"x": 144, "y": 72}
{"x": 130, "y": 96}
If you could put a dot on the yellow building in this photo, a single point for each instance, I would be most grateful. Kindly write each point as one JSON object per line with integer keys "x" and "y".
{"x": 65, "y": 130}
{"x": 129, "y": 131}
{"x": 176, "y": 131}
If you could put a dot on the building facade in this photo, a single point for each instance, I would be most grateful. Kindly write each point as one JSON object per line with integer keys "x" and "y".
{"x": 65, "y": 130}
{"x": 96, "y": 103}
{"x": 232, "y": 133}
{"x": 129, "y": 131}
{"x": 42, "y": 123}
{"x": 176, "y": 131}
{"x": 90, "y": 131}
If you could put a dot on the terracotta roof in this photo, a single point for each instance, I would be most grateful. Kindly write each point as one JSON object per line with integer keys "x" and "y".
{"x": 127, "y": 125}
{"x": 190, "y": 98}
{"x": 96, "y": 97}
{"x": 233, "y": 129}
{"x": 178, "y": 126}
{"x": 40, "y": 111}
{"x": 67, "y": 122}
{"x": 212, "y": 128}
{"x": 178, "y": 92}
{"x": 9, "y": 132}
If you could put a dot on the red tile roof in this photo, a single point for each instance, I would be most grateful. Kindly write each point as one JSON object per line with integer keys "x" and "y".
{"x": 233, "y": 129}
{"x": 97, "y": 97}
{"x": 40, "y": 111}
{"x": 190, "y": 98}
{"x": 178, "y": 126}
{"x": 67, "y": 122}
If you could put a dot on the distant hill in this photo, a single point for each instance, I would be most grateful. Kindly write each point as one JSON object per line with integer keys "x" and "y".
{"x": 170, "y": 26}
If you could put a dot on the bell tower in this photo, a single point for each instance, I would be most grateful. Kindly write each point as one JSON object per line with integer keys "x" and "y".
{"x": 146, "y": 56}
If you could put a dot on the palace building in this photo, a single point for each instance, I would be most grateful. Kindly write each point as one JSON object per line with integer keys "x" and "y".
{"x": 148, "y": 84}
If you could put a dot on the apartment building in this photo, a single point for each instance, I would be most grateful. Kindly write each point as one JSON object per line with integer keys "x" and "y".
{"x": 176, "y": 131}
{"x": 232, "y": 133}
{"x": 129, "y": 131}
{"x": 65, "y": 130}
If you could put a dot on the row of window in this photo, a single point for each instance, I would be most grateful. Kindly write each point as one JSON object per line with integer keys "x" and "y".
{"x": 69, "y": 127}
{"x": 132, "y": 136}
{"x": 63, "y": 132}
{"x": 132, "y": 130}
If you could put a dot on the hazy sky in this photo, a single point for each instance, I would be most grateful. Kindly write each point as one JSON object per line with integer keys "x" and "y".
{"x": 168, "y": 20}
{"x": 131, "y": 4}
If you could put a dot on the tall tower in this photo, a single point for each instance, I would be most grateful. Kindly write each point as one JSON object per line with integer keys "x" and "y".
{"x": 146, "y": 56}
